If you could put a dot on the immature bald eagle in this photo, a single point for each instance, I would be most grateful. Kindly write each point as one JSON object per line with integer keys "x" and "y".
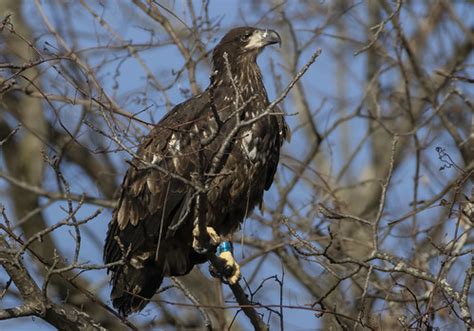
{"x": 218, "y": 139}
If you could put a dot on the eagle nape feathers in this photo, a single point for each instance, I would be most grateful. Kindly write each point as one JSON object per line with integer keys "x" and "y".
{"x": 153, "y": 228}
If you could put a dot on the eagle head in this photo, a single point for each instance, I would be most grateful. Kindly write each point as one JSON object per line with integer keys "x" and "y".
{"x": 243, "y": 44}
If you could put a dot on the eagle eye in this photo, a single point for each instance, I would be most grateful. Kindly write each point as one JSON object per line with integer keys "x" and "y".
{"x": 245, "y": 36}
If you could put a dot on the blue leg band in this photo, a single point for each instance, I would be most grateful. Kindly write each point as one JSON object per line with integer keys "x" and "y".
{"x": 225, "y": 246}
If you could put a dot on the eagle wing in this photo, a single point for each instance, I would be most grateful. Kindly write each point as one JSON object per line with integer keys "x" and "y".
{"x": 283, "y": 134}
{"x": 151, "y": 201}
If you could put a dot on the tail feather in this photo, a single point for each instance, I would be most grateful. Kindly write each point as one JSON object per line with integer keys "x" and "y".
{"x": 135, "y": 282}
{"x": 134, "y": 287}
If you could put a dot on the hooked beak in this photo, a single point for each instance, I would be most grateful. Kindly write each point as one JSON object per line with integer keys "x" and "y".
{"x": 270, "y": 37}
{"x": 262, "y": 38}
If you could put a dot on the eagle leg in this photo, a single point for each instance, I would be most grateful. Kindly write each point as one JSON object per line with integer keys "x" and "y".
{"x": 214, "y": 239}
{"x": 230, "y": 268}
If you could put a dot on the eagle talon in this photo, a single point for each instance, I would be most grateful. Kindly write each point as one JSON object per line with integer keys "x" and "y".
{"x": 214, "y": 240}
{"x": 230, "y": 271}
{"x": 200, "y": 250}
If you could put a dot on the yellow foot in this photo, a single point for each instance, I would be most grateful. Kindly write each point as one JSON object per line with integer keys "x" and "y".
{"x": 231, "y": 268}
{"x": 214, "y": 238}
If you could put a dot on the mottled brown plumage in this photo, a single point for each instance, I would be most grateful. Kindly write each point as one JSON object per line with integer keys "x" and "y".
{"x": 154, "y": 219}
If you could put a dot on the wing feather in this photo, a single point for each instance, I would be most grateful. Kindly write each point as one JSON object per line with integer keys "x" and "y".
{"x": 150, "y": 196}
{"x": 283, "y": 134}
